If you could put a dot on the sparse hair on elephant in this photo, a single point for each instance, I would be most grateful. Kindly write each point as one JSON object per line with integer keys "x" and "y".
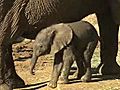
{"x": 67, "y": 42}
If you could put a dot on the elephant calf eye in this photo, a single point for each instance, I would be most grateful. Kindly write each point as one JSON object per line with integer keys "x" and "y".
{"x": 41, "y": 46}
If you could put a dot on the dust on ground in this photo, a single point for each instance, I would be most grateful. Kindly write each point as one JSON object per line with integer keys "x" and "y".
{"x": 22, "y": 53}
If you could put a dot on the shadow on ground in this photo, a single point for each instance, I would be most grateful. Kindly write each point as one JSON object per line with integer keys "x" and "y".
{"x": 95, "y": 78}
{"x": 34, "y": 86}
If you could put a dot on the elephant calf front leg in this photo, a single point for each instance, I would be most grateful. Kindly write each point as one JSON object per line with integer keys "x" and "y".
{"x": 57, "y": 67}
{"x": 68, "y": 61}
{"x": 55, "y": 75}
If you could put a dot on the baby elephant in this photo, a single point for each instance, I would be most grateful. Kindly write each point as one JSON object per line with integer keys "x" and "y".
{"x": 67, "y": 42}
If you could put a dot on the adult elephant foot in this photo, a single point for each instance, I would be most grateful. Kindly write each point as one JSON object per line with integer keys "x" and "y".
{"x": 15, "y": 81}
{"x": 109, "y": 69}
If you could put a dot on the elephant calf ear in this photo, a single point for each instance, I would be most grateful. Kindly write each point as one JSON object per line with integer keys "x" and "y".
{"x": 63, "y": 37}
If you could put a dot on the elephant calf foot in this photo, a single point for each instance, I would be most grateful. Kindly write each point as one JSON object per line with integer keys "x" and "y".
{"x": 52, "y": 84}
{"x": 63, "y": 80}
{"x": 86, "y": 78}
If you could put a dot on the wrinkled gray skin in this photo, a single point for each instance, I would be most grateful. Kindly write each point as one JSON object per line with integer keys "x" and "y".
{"x": 67, "y": 42}
{"x": 27, "y": 17}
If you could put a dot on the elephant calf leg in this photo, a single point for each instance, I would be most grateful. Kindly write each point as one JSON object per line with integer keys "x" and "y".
{"x": 88, "y": 74}
{"x": 66, "y": 70}
{"x": 80, "y": 69}
{"x": 87, "y": 60}
{"x": 68, "y": 59}
{"x": 57, "y": 67}
{"x": 55, "y": 75}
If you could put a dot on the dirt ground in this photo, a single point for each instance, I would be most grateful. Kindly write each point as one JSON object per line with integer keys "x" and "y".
{"x": 22, "y": 53}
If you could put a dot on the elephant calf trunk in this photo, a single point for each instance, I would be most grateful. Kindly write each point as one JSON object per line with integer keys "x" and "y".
{"x": 33, "y": 63}
{"x": 31, "y": 70}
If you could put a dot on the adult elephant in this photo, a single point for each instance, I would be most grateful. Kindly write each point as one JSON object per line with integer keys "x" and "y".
{"x": 27, "y": 17}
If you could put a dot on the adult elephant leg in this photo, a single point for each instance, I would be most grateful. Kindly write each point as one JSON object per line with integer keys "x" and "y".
{"x": 7, "y": 70}
{"x": 1, "y": 69}
{"x": 11, "y": 77}
{"x": 9, "y": 74}
{"x": 7, "y": 37}
{"x": 109, "y": 43}
{"x": 13, "y": 26}
{"x": 4, "y": 8}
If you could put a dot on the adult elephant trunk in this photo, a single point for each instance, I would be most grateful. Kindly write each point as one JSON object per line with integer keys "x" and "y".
{"x": 115, "y": 7}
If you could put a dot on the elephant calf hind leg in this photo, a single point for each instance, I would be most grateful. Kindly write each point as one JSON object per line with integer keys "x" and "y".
{"x": 87, "y": 60}
{"x": 80, "y": 69}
